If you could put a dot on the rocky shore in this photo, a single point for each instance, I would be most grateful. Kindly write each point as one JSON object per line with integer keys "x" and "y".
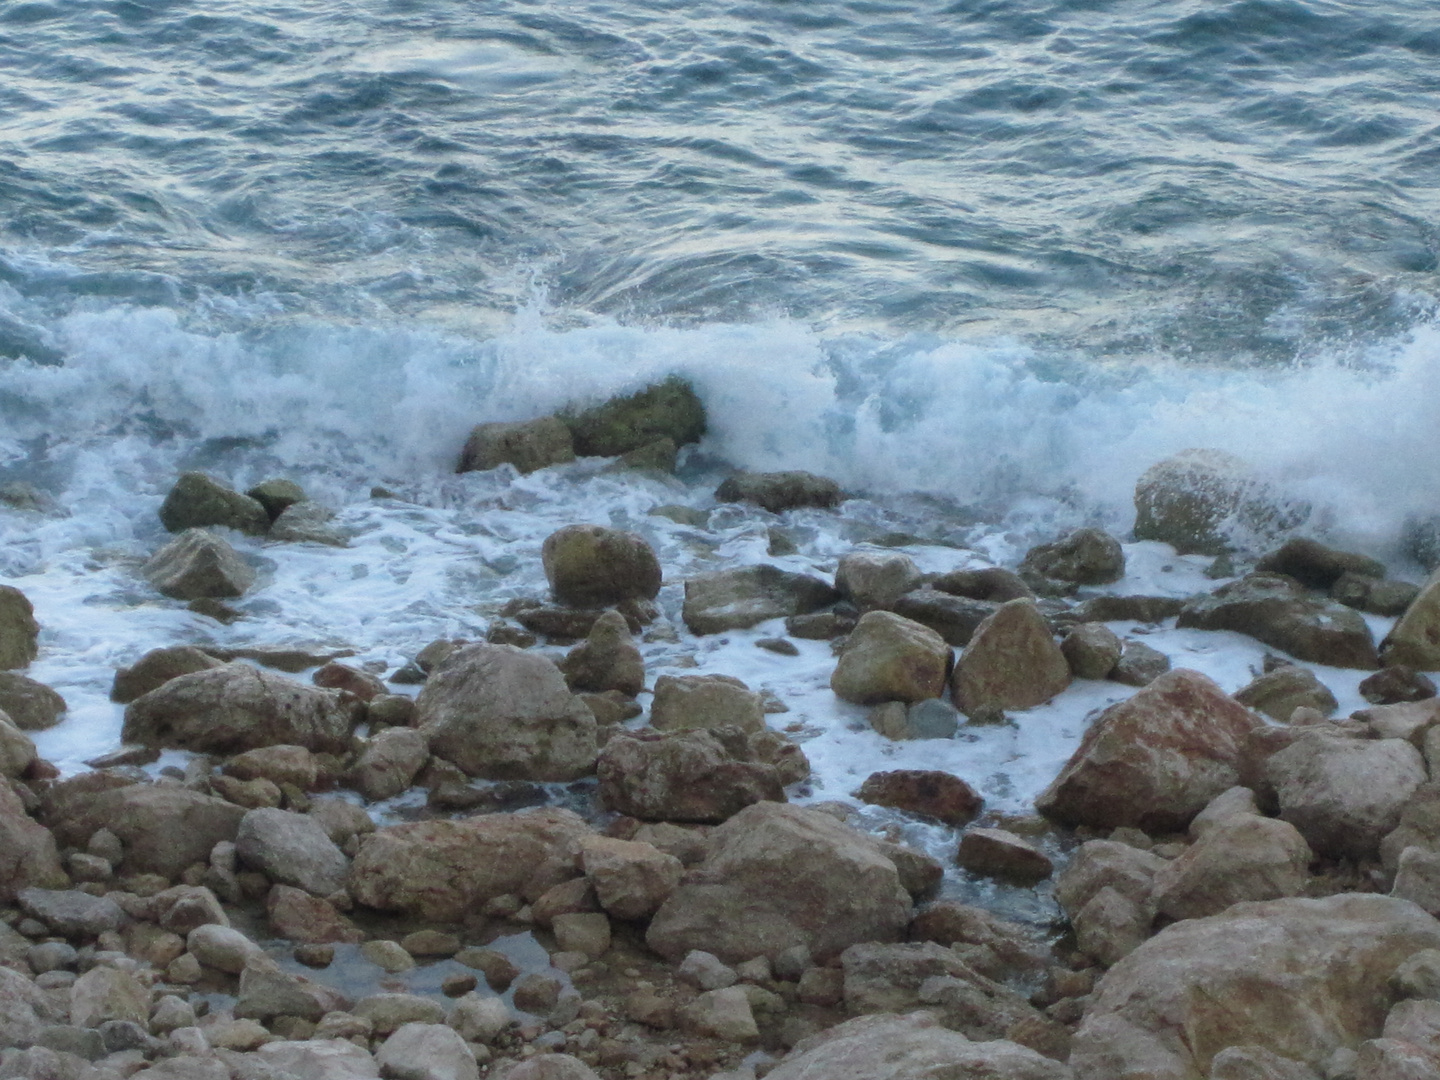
{"x": 600, "y": 886}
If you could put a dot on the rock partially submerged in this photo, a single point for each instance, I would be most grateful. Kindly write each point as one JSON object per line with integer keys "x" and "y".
{"x": 198, "y": 564}
{"x": 527, "y": 444}
{"x": 1012, "y": 662}
{"x": 19, "y": 632}
{"x": 666, "y": 410}
{"x": 739, "y": 599}
{"x": 781, "y": 491}
{"x": 592, "y": 566}
{"x": 1203, "y": 501}
{"x": 197, "y": 501}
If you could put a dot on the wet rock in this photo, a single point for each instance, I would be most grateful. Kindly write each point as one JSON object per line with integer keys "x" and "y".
{"x": 1083, "y": 557}
{"x": 291, "y": 849}
{"x": 929, "y": 793}
{"x": 1243, "y": 858}
{"x": 876, "y": 579}
{"x": 1139, "y": 665}
{"x": 504, "y": 714}
{"x": 338, "y": 676}
{"x": 1415, "y": 639}
{"x": 280, "y": 764}
{"x": 196, "y": 501}
{"x": 389, "y": 764}
{"x": 426, "y": 1052}
{"x": 954, "y": 618}
{"x": 237, "y": 707}
{"x": 691, "y": 702}
{"x": 890, "y": 658}
{"x": 592, "y": 566}
{"x": 777, "y": 877}
{"x": 929, "y": 719}
{"x": 991, "y": 584}
{"x": 1278, "y": 611}
{"x": 631, "y": 880}
{"x": 666, "y": 410}
{"x": 107, "y": 993}
{"x": 1393, "y": 685}
{"x": 277, "y": 495}
{"x": 1147, "y": 609}
{"x": 1260, "y": 974}
{"x": 308, "y": 523}
{"x": 442, "y": 869}
{"x": 781, "y": 491}
{"x": 1344, "y": 795}
{"x": 198, "y": 564}
{"x": 683, "y": 776}
{"x": 739, "y": 599}
{"x": 1201, "y": 501}
{"x": 1001, "y": 854}
{"x": 1155, "y": 760}
{"x": 1092, "y": 650}
{"x": 19, "y": 632}
{"x": 157, "y": 667}
{"x": 30, "y": 705}
{"x": 1389, "y": 598}
{"x": 606, "y": 660}
{"x": 1012, "y": 662}
{"x": 1279, "y": 693}
{"x": 527, "y": 444}
{"x": 1315, "y": 565}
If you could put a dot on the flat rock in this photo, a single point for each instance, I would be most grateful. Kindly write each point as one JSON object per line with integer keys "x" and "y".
{"x": 71, "y": 913}
{"x": 742, "y": 598}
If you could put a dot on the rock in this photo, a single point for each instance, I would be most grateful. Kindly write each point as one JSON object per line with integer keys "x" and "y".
{"x": 1393, "y": 685}
{"x": 890, "y": 658}
{"x": 1279, "y": 693}
{"x": 17, "y": 750}
{"x": 442, "y": 869}
{"x": 338, "y": 676}
{"x": 317, "y": 1059}
{"x": 1202, "y": 501}
{"x": 1315, "y": 565}
{"x": 631, "y": 880}
{"x": 527, "y": 444}
{"x": 341, "y": 820}
{"x": 1155, "y": 760}
{"x": 584, "y": 932}
{"x": 197, "y": 501}
{"x": 221, "y": 947}
{"x": 658, "y": 456}
{"x": 238, "y": 707}
{"x": 781, "y": 491}
{"x": 389, "y": 764}
{"x": 666, "y": 410}
{"x": 910, "y": 1047}
{"x": 1000, "y": 854}
{"x": 19, "y": 632}
{"x": 739, "y": 599}
{"x": 299, "y": 916}
{"x": 1146, "y": 609}
{"x": 107, "y": 993}
{"x": 307, "y": 523}
{"x": 929, "y": 793}
{"x": 722, "y": 1014}
{"x": 1300, "y": 978}
{"x": 876, "y": 579}
{"x": 267, "y": 992}
{"x": 1012, "y": 662}
{"x": 157, "y": 667}
{"x": 277, "y": 495}
{"x": 1139, "y": 665}
{"x": 606, "y": 660}
{"x": 548, "y": 1067}
{"x": 1419, "y": 826}
{"x": 71, "y": 913}
{"x": 198, "y": 564}
{"x": 705, "y": 971}
{"x": 691, "y": 702}
{"x": 291, "y": 849}
{"x": 1106, "y": 864}
{"x": 683, "y": 776}
{"x": 426, "y": 1052}
{"x": 480, "y": 1019}
{"x": 1389, "y": 598}
{"x": 1239, "y": 859}
{"x": 954, "y": 618}
{"x": 991, "y": 584}
{"x": 24, "y": 1009}
{"x": 504, "y": 714}
{"x": 798, "y": 876}
{"x": 995, "y": 948}
{"x": 1278, "y": 611}
{"x": 1344, "y": 794}
{"x": 592, "y": 566}
{"x": 1419, "y": 976}
{"x": 279, "y": 764}
{"x": 1092, "y": 650}
{"x": 184, "y": 907}
{"x": 1083, "y": 557}
{"x": 1257, "y": 1063}
{"x": 1417, "y": 879}
{"x": 30, "y": 706}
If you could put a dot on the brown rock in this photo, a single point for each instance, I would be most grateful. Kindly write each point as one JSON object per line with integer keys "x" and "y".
{"x": 591, "y": 566}
{"x": 1092, "y": 650}
{"x": 739, "y": 599}
{"x": 196, "y": 501}
{"x": 929, "y": 793}
{"x": 781, "y": 491}
{"x": 1139, "y": 665}
{"x": 1012, "y": 662}
{"x": 1084, "y": 557}
{"x": 1315, "y": 565}
{"x": 606, "y": 660}
{"x": 1200, "y": 500}
{"x": 690, "y": 702}
{"x": 1000, "y": 854}
{"x": 28, "y": 856}
{"x": 279, "y": 764}
{"x": 157, "y": 667}
{"x": 297, "y": 915}
{"x": 389, "y": 763}
{"x": 1243, "y": 858}
{"x": 683, "y": 775}
{"x": 1396, "y": 684}
{"x": 954, "y": 618}
{"x": 991, "y": 583}
{"x": 338, "y": 676}
{"x": 1279, "y": 693}
{"x": 890, "y": 658}
{"x": 30, "y": 705}
{"x": 198, "y": 564}
{"x": 631, "y": 879}
{"x": 876, "y": 579}
{"x": 19, "y": 632}
{"x": 527, "y": 444}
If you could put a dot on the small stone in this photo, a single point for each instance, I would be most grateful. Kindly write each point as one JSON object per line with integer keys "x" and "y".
{"x": 388, "y": 955}
{"x": 536, "y": 993}
{"x": 499, "y": 970}
{"x": 458, "y": 985}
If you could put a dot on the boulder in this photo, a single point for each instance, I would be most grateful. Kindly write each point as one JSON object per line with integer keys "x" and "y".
{"x": 1241, "y": 858}
{"x": 666, "y": 410}
{"x": 222, "y": 947}
{"x": 1012, "y": 662}
{"x": 30, "y": 705}
{"x": 592, "y": 566}
{"x": 739, "y": 599}
{"x": 1092, "y": 650}
{"x": 606, "y": 660}
{"x": 237, "y": 707}
{"x": 890, "y": 658}
{"x": 1278, "y": 611}
{"x": 1139, "y": 665}
{"x": 317, "y": 1059}
{"x": 698, "y": 775}
{"x": 442, "y": 869}
{"x": 781, "y": 491}
{"x": 876, "y": 579}
{"x": 1155, "y": 760}
{"x": 107, "y": 993}
{"x": 505, "y": 714}
{"x": 70, "y": 912}
{"x": 267, "y": 991}
{"x": 1204, "y": 501}
{"x": 1396, "y": 684}
{"x": 156, "y": 668}
{"x": 291, "y": 849}
{"x": 1417, "y": 878}
{"x": 777, "y": 877}
{"x": 1344, "y": 795}
{"x": 19, "y": 632}
{"x": 17, "y": 750}
{"x": 277, "y": 495}
{"x": 1300, "y": 978}
{"x": 196, "y": 501}
{"x": 1316, "y": 566}
{"x": 527, "y": 444}
{"x": 1083, "y": 557}
{"x": 196, "y": 564}
{"x": 1101, "y": 864}
{"x": 992, "y": 946}
{"x": 389, "y": 763}
{"x": 1415, "y": 639}
{"x": 1279, "y": 693}
{"x": 631, "y": 880}
{"x": 307, "y": 523}
{"x": 1001, "y": 854}
{"x": 690, "y": 702}
{"x": 1146, "y": 609}
{"x": 954, "y": 618}
{"x": 927, "y": 792}
{"x": 280, "y": 764}
{"x": 426, "y": 1052}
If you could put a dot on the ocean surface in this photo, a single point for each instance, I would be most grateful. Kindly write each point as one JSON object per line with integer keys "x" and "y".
{"x": 982, "y": 262}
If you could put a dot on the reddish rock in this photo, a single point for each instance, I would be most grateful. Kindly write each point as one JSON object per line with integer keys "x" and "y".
{"x": 923, "y": 791}
{"x": 1000, "y": 854}
{"x": 338, "y": 676}
{"x": 1012, "y": 662}
{"x": 297, "y": 915}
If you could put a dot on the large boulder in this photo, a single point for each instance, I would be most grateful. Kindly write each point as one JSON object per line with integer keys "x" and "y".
{"x": 237, "y": 707}
{"x": 197, "y": 501}
{"x": 687, "y": 702}
{"x": 19, "y": 632}
{"x": 739, "y": 599}
{"x": 699, "y": 775}
{"x": 1415, "y": 639}
{"x": 198, "y": 564}
{"x": 781, "y": 491}
{"x": 876, "y": 579}
{"x": 1012, "y": 662}
{"x": 777, "y": 877}
{"x": 1205, "y": 501}
{"x": 592, "y": 566}
{"x": 1153, "y": 761}
{"x": 667, "y": 410}
{"x": 1083, "y": 557}
{"x": 526, "y": 444}
{"x": 1278, "y": 611}
{"x": 1344, "y": 794}
{"x": 1300, "y": 978}
{"x": 28, "y": 856}
{"x": 30, "y": 705}
{"x": 889, "y": 658}
{"x": 291, "y": 849}
{"x": 1245, "y": 857}
{"x": 156, "y": 668}
{"x": 441, "y": 870}
{"x": 505, "y": 714}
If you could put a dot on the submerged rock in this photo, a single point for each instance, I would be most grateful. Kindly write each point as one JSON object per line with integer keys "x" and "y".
{"x": 781, "y": 491}
{"x": 19, "y": 632}
{"x": 196, "y": 501}
{"x": 307, "y": 523}
{"x": 198, "y": 564}
{"x": 592, "y": 566}
{"x": 527, "y": 444}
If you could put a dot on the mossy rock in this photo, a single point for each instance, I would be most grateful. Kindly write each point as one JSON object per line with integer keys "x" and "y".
{"x": 669, "y": 409}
